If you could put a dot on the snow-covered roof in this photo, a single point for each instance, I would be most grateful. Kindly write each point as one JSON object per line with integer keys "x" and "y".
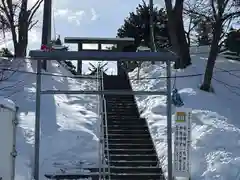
{"x": 7, "y": 103}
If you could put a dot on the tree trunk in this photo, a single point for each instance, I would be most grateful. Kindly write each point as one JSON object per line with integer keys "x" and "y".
{"x": 206, "y": 86}
{"x": 188, "y": 38}
{"x": 20, "y": 49}
{"x": 185, "y": 59}
{"x": 177, "y": 34}
{"x": 21, "y": 46}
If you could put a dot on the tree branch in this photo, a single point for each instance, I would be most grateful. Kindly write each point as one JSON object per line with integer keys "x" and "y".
{"x": 4, "y": 8}
{"x": 32, "y": 24}
{"x": 214, "y": 10}
{"x": 230, "y": 16}
{"x": 34, "y": 9}
{"x": 189, "y": 11}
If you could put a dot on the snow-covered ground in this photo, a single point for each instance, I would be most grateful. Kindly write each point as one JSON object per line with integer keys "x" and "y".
{"x": 215, "y": 147}
{"x": 69, "y": 135}
{"x": 69, "y": 123}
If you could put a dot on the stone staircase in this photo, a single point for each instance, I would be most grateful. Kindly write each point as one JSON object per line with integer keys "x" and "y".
{"x": 132, "y": 155}
{"x": 131, "y": 151}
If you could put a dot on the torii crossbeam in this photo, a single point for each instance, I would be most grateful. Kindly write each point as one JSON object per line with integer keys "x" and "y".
{"x": 104, "y": 56}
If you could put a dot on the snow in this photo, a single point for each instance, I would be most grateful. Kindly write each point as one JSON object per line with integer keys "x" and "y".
{"x": 69, "y": 123}
{"x": 7, "y": 103}
{"x": 215, "y": 143}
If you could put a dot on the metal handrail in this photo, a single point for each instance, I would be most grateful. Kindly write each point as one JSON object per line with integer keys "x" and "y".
{"x": 100, "y": 129}
{"x": 106, "y": 128}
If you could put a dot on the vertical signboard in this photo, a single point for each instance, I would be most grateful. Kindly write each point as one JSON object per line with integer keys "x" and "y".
{"x": 182, "y": 142}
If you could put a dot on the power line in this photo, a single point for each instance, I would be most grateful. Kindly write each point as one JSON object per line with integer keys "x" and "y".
{"x": 92, "y": 77}
{"x": 49, "y": 74}
{"x": 228, "y": 72}
{"x": 232, "y": 86}
{"x": 228, "y": 86}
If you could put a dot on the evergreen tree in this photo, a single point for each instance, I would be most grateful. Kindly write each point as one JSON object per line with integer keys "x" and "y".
{"x": 137, "y": 26}
{"x": 233, "y": 41}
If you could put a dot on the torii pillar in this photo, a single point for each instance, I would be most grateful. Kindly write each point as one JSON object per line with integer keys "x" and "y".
{"x": 47, "y": 26}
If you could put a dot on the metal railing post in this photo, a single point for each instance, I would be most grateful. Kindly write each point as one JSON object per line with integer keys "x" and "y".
{"x": 106, "y": 127}
{"x": 102, "y": 127}
{"x": 100, "y": 158}
{"x": 169, "y": 121}
{"x": 37, "y": 121}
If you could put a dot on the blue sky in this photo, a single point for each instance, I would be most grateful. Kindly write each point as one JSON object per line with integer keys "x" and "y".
{"x": 95, "y": 17}
{"x": 83, "y": 18}
{"x": 91, "y": 18}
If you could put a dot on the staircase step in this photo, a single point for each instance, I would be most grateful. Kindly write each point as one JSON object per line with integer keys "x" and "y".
{"x": 127, "y": 169}
{"x": 123, "y": 117}
{"x": 131, "y": 151}
{"x": 113, "y": 127}
{"x": 126, "y": 136}
{"x": 130, "y": 146}
{"x": 120, "y": 101}
{"x": 114, "y": 176}
{"x": 126, "y": 118}
{"x": 132, "y": 140}
{"x": 137, "y": 176}
{"x": 134, "y": 163}
{"x": 121, "y": 107}
{"x": 116, "y": 103}
{"x": 149, "y": 157}
{"x": 117, "y": 131}
{"x": 119, "y": 96}
{"x": 129, "y": 102}
{"x": 126, "y": 112}
{"x": 128, "y": 133}
{"x": 127, "y": 127}
{"x": 126, "y": 122}
{"x": 122, "y": 110}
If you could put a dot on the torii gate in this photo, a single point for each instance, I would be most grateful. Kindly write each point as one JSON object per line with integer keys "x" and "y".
{"x": 40, "y": 56}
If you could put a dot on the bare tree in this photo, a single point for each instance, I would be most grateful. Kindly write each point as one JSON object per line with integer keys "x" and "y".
{"x": 193, "y": 19}
{"x": 177, "y": 33}
{"x": 20, "y": 19}
{"x": 222, "y": 13}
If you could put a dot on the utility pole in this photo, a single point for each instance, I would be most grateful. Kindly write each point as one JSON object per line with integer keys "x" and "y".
{"x": 47, "y": 26}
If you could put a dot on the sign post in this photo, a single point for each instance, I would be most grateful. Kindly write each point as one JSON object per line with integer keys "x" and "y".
{"x": 182, "y": 143}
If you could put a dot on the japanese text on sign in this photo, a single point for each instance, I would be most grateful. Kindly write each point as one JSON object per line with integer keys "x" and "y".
{"x": 182, "y": 142}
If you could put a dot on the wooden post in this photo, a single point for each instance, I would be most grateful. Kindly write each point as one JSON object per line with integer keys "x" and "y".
{"x": 119, "y": 48}
{"x": 79, "y": 61}
{"x": 99, "y": 46}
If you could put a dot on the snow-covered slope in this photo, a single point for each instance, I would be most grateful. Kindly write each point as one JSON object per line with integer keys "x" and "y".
{"x": 69, "y": 136}
{"x": 69, "y": 123}
{"x": 215, "y": 144}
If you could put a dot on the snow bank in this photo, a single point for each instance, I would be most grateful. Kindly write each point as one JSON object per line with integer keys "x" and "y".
{"x": 215, "y": 124}
{"x": 69, "y": 133}
{"x": 7, "y": 138}
{"x": 7, "y": 103}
